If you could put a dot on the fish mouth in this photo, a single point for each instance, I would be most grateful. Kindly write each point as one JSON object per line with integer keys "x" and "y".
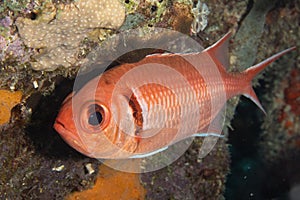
{"x": 70, "y": 138}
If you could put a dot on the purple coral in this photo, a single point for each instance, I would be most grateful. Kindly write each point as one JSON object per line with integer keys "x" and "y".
{"x": 11, "y": 45}
{"x": 16, "y": 49}
{"x": 6, "y": 22}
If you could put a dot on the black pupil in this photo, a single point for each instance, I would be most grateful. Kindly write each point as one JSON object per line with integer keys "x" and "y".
{"x": 95, "y": 118}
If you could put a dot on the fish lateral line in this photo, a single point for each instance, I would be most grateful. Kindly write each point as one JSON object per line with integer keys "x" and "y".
{"x": 208, "y": 135}
{"x": 150, "y": 153}
{"x": 166, "y": 147}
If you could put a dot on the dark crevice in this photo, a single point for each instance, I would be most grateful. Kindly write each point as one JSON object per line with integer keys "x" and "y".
{"x": 45, "y": 139}
{"x": 137, "y": 112}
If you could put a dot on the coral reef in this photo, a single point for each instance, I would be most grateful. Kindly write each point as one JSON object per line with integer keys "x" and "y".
{"x": 32, "y": 153}
{"x": 275, "y": 156}
{"x": 7, "y": 101}
{"x": 10, "y": 44}
{"x": 36, "y": 162}
{"x": 45, "y": 35}
{"x": 281, "y": 127}
{"x": 191, "y": 177}
{"x": 112, "y": 184}
{"x": 279, "y": 146}
{"x": 57, "y": 32}
{"x": 15, "y": 6}
{"x": 200, "y": 13}
{"x": 165, "y": 14}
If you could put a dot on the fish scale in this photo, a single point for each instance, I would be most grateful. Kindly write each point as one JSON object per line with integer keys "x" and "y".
{"x": 179, "y": 95}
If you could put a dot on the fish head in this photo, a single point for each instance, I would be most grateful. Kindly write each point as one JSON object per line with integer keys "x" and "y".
{"x": 87, "y": 123}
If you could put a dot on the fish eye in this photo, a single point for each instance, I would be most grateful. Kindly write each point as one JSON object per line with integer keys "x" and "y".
{"x": 95, "y": 115}
{"x": 95, "y": 118}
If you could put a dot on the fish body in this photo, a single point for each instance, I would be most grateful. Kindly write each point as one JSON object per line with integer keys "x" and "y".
{"x": 138, "y": 109}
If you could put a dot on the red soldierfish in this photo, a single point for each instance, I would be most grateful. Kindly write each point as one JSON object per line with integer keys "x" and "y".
{"x": 138, "y": 109}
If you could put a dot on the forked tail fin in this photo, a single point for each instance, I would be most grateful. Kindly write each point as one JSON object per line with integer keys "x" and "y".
{"x": 251, "y": 72}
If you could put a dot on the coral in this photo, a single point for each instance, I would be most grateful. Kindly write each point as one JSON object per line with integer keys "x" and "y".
{"x": 7, "y": 101}
{"x": 190, "y": 177}
{"x": 131, "y": 6}
{"x": 13, "y": 5}
{"x": 11, "y": 47}
{"x": 132, "y": 21}
{"x": 176, "y": 15}
{"x": 111, "y": 184}
{"x": 181, "y": 18}
{"x": 57, "y": 32}
{"x": 290, "y": 112}
{"x": 52, "y": 32}
{"x": 5, "y": 22}
{"x": 200, "y": 13}
{"x": 276, "y": 143}
{"x": 158, "y": 8}
{"x": 32, "y": 154}
{"x": 281, "y": 127}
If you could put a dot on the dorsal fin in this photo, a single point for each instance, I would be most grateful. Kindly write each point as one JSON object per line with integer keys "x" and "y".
{"x": 219, "y": 50}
